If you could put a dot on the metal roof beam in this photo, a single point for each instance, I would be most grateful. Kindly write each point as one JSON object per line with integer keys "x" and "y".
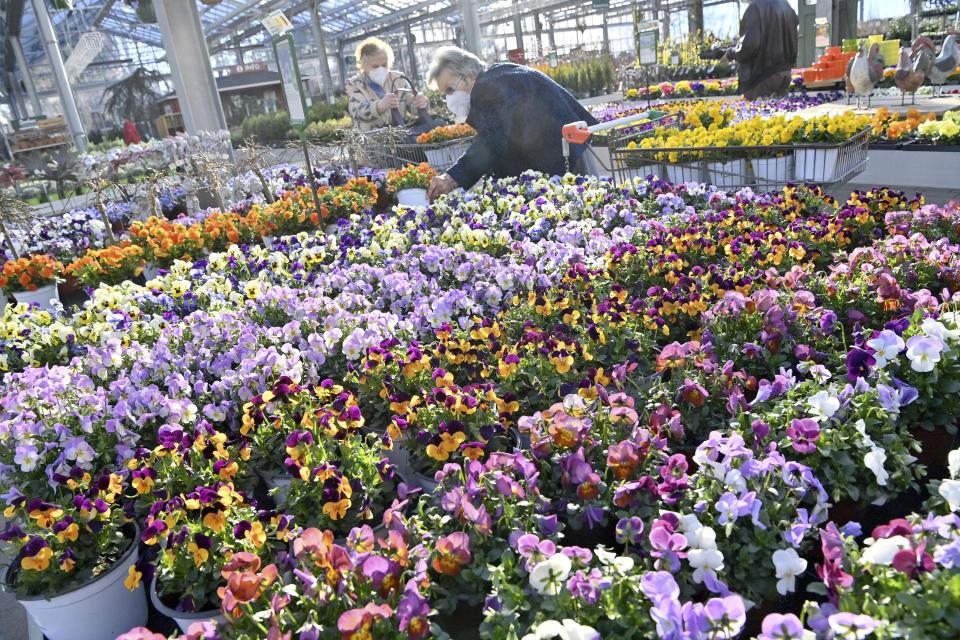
{"x": 104, "y": 10}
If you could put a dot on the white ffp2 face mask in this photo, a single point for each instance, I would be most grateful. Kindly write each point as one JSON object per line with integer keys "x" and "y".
{"x": 459, "y": 103}
{"x": 378, "y": 75}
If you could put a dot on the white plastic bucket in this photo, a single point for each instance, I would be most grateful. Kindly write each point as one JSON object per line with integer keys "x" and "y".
{"x": 43, "y": 296}
{"x": 682, "y": 173}
{"x": 727, "y": 175}
{"x": 150, "y": 271}
{"x": 772, "y": 173}
{"x": 413, "y": 197}
{"x": 183, "y": 620}
{"x": 816, "y": 165}
{"x": 100, "y": 609}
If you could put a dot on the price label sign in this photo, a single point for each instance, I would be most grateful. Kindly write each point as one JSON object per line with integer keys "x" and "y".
{"x": 286, "y": 55}
{"x": 647, "y": 36}
{"x": 276, "y": 23}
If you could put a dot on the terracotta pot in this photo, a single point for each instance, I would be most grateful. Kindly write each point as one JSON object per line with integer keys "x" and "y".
{"x": 70, "y": 284}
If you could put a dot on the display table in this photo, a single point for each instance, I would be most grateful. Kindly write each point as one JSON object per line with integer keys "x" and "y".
{"x": 926, "y": 169}
{"x": 924, "y": 104}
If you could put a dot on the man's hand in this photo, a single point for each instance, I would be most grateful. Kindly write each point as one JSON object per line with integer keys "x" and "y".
{"x": 388, "y": 101}
{"x": 440, "y": 185}
{"x": 420, "y": 101}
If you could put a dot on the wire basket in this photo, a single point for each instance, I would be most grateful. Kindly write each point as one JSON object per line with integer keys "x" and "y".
{"x": 617, "y": 134}
{"x": 383, "y": 148}
{"x": 443, "y": 155}
{"x": 391, "y": 148}
{"x": 766, "y": 168}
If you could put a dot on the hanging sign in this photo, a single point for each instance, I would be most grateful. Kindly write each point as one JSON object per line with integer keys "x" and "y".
{"x": 286, "y": 55}
{"x": 87, "y": 49}
{"x": 276, "y": 23}
{"x": 647, "y": 36}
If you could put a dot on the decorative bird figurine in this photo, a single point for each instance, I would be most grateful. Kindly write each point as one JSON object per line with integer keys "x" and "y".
{"x": 910, "y": 73}
{"x": 944, "y": 64}
{"x": 864, "y": 71}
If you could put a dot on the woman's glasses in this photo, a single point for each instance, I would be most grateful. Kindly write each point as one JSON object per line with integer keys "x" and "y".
{"x": 453, "y": 87}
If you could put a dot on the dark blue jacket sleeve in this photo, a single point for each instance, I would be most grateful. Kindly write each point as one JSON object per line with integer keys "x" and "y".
{"x": 490, "y": 116}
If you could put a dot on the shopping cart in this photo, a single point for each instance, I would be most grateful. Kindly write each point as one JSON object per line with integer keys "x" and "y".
{"x": 614, "y": 135}
{"x": 395, "y": 147}
{"x": 764, "y": 168}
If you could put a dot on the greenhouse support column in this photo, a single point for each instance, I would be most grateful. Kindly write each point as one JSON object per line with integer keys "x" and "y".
{"x": 538, "y": 29}
{"x": 15, "y": 97}
{"x": 322, "y": 52}
{"x": 412, "y": 53}
{"x": 341, "y": 66}
{"x": 25, "y": 72}
{"x": 471, "y": 26}
{"x": 551, "y": 37}
{"x": 517, "y": 24}
{"x": 50, "y": 45}
{"x": 189, "y": 60}
{"x": 606, "y": 34}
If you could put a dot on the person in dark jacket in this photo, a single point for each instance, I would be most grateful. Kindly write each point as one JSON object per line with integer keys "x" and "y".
{"x": 518, "y": 113}
{"x": 767, "y": 49}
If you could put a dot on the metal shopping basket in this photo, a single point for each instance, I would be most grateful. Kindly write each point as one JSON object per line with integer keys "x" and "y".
{"x": 765, "y": 168}
{"x": 616, "y": 134}
{"x": 395, "y": 147}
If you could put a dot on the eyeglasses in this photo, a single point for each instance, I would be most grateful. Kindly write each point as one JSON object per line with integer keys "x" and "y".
{"x": 453, "y": 87}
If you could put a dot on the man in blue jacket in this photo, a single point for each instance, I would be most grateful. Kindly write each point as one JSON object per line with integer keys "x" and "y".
{"x": 518, "y": 113}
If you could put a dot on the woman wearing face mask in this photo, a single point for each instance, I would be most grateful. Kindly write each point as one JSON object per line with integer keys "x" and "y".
{"x": 374, "y": 92}
{"x": 518, "y": 113}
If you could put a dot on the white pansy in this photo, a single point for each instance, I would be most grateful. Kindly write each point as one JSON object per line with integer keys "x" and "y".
{"x": 886, "y": 346}
{"x": 861, "y": 427}
{"x": 622, "y": 563}
{"x": 950, "y": 491}
{"x": 953, "y": 462}
{"x": 874, "y": 460}
{"x": 735, "y": 481}
{"x": 936, "y": 329}
{"x": 883, "y": 550}
{"x": 823, "y": 405}
{"x": 788, "y": 565}
{"x": 702, "y": 552}
{"x": 548, "y": 576}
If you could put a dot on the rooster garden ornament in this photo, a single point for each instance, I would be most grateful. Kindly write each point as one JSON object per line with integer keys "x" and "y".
{"x": 944, "y": 64}
{"x": 864, "y": 71}
{"x": 912, "y": 70}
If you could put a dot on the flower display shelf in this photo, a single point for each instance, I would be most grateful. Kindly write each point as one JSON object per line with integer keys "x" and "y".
{"x": 814, "y": 163}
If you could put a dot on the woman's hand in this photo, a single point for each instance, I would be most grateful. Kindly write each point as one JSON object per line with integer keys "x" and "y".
{"x": 387, "y": 102}
{"x": 420, "y": 101}
{"x": 440, "y": 185}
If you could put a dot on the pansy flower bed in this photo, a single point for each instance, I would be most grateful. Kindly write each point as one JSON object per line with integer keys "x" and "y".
{"x": 554, "y": 407}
